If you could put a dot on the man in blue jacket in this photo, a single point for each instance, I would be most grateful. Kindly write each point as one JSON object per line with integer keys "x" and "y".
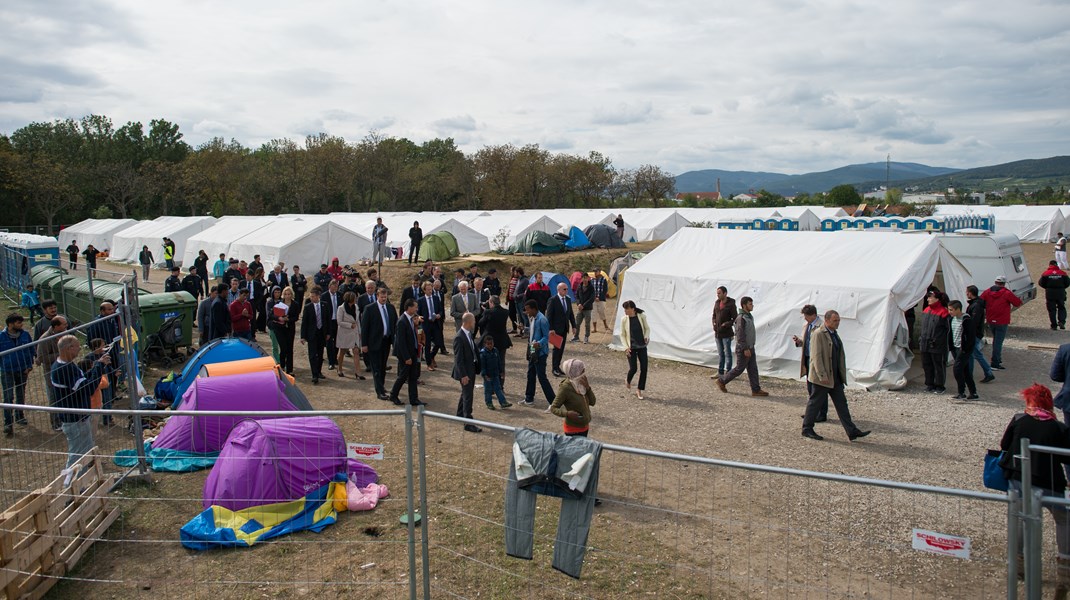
{"x": 1060, "y": 368}
{"x": 14, "y": 369}
{"x": 538, "y": 349}
{"x": 74, "y": 388}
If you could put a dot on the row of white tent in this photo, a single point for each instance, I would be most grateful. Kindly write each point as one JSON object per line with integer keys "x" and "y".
{"x": 1029, "y": 223}
{"x": 311, "y": 239}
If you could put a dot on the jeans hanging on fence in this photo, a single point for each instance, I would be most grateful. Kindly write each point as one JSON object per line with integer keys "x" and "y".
{"x": 552, "y": 465}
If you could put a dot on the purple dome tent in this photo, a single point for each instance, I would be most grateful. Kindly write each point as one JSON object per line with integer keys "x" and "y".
{"x": 278, "y": 460}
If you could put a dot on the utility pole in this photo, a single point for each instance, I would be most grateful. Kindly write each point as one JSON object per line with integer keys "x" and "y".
{"x": 888, "y": 173}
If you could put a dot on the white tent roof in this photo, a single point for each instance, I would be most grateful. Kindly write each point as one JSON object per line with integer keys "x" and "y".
{"x": 217, "y": 239}
{"x": 126, "y": 245}
{"x": 308, "y": 243}
{"x": 513, "y": 224}
{"x": 1029, "y": 223}
{"x": 654, "y": 224}
{"x": 807, "y": 218}
{"x": 869, "y": 279}
{"x": 469, "y": 240}
{"x": 98, "y": 232}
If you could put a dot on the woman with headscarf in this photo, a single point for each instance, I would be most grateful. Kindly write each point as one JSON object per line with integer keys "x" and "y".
{"x": 1039, "y": 425}
{"x": 635, "y": 335}
{"x": 935, "y": 331}
{"x": 574, "y": 398}
{"x": 348, "y": 333}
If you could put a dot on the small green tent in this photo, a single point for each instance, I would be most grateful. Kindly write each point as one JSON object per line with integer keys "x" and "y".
{"x": 537, "y": 242}
{"x": 439, "y": 246}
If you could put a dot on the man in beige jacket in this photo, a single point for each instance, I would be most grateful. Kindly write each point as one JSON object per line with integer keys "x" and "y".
{"x": 828, "y": 376}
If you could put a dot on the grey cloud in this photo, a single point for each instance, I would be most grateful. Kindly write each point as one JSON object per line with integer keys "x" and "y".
{"x": 624, "y": 114}
{"x": 557, "y": 144}
{"x": 458, "y": 123}
{"x": 701, "y": 110}
{"x": 382, "y": 123}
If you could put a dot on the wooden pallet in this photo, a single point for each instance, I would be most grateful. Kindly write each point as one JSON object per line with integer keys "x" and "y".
{"x": 44, "y": 534}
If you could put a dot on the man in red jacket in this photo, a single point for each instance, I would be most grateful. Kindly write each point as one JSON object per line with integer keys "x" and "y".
{"x": 998, "y": 302}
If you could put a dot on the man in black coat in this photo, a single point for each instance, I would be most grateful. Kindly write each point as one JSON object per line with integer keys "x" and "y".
{"x": 314, "y": 323}
{"x": 219, "y": 315}
{"x": 494, "y": 323}
{"x": 1055, "y": 281}
{"x": 429, "y": 307}
{"x": 466, "y": 367}
{"x": 363, "y": 301}
{"x": 174, "y": 282}
{"x": 377, "y": 325}
{"x": 407, "y": 349}
{"x": 559, "y": 313}
{"x": 410, "y": 292}
{"x": 192, "y": 283}
{"x": 331, "y": 300}
{"x": 962, "y": 349}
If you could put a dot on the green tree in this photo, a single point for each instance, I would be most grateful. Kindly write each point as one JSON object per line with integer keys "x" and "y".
{"x": 843, "y": 195}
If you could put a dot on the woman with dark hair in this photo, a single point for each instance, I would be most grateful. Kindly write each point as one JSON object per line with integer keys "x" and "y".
{"x": 1039, "y": 425}
{"x": 348, "y": 333}
{"x": 935, "y": 330}
{"x": 416, "y": 237}
{"x": 269, "y": 309}
{"x": 635, "y": 335}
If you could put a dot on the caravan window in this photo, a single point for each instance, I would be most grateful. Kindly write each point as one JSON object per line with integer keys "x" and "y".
{"x": 1019, "y": 266}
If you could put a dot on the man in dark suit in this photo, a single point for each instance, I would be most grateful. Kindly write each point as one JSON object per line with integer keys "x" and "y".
{"x": 559, "y": 313}
{"x": 331, "y": 301}
{"x": 411, "y": 292}
{"x": 407, "y": 349}
{"x": 493, "y": 324}
{"x": 466, "y": 367}
{"x": 363, "y": 300}
{"x": 277, "y": 277}
{"x": 314, "y": 323}
{"x": 429, "y": 307}
{"x": 377, "y": 325}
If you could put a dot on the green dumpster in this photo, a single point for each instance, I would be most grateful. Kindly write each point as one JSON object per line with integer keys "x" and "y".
{"x": 78, "y": 303}
{"x": 46, "y": 280}
{"x": 157, "y": 308}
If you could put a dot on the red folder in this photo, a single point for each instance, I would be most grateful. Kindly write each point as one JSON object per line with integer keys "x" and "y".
{"x": 556, "y": 340}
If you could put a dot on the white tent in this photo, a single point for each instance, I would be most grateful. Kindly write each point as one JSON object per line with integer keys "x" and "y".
{"x": 869, "y": 279}
{"x": 98, "y": 232}
{"x": 511, "y": 225}
{"x": 307, "y": 243}
{"x": 1029, "y": 223}
{"x": 126, "y": 245}
{"x": 469, "y": 240}
{"x": 217, "y": 239}
{"x": 654, "y": 224}
{"x": 808, "y": 220}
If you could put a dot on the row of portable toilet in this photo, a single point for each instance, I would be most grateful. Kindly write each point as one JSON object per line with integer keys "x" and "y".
{"x": 771, "y": 224}
{"x": 21, "y": 252}
{"x": 945, "y": 224}
{"x": 72, "y": 296}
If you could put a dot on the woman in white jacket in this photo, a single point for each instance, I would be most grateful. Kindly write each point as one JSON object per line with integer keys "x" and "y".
{"x": 635, "y": 335}
{"x": 348, "y": 333}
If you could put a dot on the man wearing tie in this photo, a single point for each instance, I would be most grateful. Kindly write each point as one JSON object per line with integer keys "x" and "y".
{"x": 314, "y": 332}
{"x": 363, "y": 301}
{"x": 407, "y": 349}
{"x": 463, "y": 302}
{"x": 559, "y": 313}
{"x": 331, "y": 301}
{"x": 466, "y": 367}
{"x": 809, "y": 313}
{"x": 430, "y": 311}
{"x": 413, "y": 292}
{"x": 378, "y": 323}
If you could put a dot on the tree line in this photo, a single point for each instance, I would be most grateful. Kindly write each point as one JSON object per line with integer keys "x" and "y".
{"x": 63, "y": 171}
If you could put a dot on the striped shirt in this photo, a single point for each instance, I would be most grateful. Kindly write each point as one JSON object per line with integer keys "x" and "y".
{"x": 956, "y": 331}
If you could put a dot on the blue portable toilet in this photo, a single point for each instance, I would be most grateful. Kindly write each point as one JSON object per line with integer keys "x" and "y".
{"x": 22, "y": 252}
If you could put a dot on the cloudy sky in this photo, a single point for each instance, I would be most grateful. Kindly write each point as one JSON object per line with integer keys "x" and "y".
{"x": 766, "y": 85}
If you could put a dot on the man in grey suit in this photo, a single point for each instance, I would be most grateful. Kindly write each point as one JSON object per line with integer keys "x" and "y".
{"x": 466, "y": 366}
{"x": 463, "y": 302}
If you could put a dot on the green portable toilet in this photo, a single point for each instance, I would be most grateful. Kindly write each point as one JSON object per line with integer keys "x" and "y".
{"x": 45, "y": 278}
{"x": 439, "y": 246}
{"x": 157, "y": 308}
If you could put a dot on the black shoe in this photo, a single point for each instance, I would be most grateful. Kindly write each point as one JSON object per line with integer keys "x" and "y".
{"x": 988, "y": 379}
{"x": 959, "y": 397}
{"x": 999, "y": 367}
{"x": 21, "y": 422}
{"x": 929, "y": 388}
{"x": 810, "y": 433}
{"x": 972, "y": 397}
{"x": 330, "y": 367}
{"x": 858, "y": 434}
{"x": 821, "y": 420}
{"x": 1053, "y": 327}
{"x": 559, "y": 373}
{"x": 395, "y": 401}
{"x": 389, "y": 368}
{"x": 472, "y": 428}
{"x": 418, "y": 403}
{"x": 1062, "y": 325}
{"x": 382, "y": 397}
{"x": 939, "y": 390}
{"x": 446, "y": 352}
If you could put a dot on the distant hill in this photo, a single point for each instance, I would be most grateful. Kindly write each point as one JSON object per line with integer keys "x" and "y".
{"x": 1026, "y": 175}
{"x": 736, "y": 182}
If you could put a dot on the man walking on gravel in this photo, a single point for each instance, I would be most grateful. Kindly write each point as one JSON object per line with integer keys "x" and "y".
{"x": 998, "y": 303}
{"x": 828, "y": 376}
{"x": 745, "y": 358}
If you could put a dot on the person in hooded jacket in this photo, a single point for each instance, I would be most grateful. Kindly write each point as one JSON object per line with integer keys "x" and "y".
{"x": 935, "y": 331}
{"x": 336, "y": 271}
{"x": 1055, "y": 281}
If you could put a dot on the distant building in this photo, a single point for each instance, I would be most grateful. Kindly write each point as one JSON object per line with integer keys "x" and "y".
{"x": 924, "y": 199}
{"x": 714, "y": 196}
{"x": 745, "y": 197}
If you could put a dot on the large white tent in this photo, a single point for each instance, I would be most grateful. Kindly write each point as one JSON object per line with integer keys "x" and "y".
{"x": 1029, "y": 223}
{"x": 469, "y": 240}
{"x": 807, "y": 218}
{"x": 217, "y": 239}
{"x": 98, "y": 232}
{"x": 503, "y": 228}
{"x": 869, "y": 279}
{"x": 654, "y": 224}
{"x": 307, "y": 243}
{"x": 126, "y": 245}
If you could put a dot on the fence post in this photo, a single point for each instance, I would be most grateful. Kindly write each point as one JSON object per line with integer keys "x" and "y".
{"x": 1014, "y": 506}
{"x": 130, "y": 355}
{"x": 92, "y": 298}
{"x": 410, "y": 502}
{"x": 422, "y": 456}
{"x": 1031, "y": 518}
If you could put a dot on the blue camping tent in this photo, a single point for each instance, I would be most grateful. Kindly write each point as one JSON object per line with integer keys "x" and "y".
{"x": 216, "y": 351}
{"x": 551, "y": 280}
{"x": 577, "y": 240}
